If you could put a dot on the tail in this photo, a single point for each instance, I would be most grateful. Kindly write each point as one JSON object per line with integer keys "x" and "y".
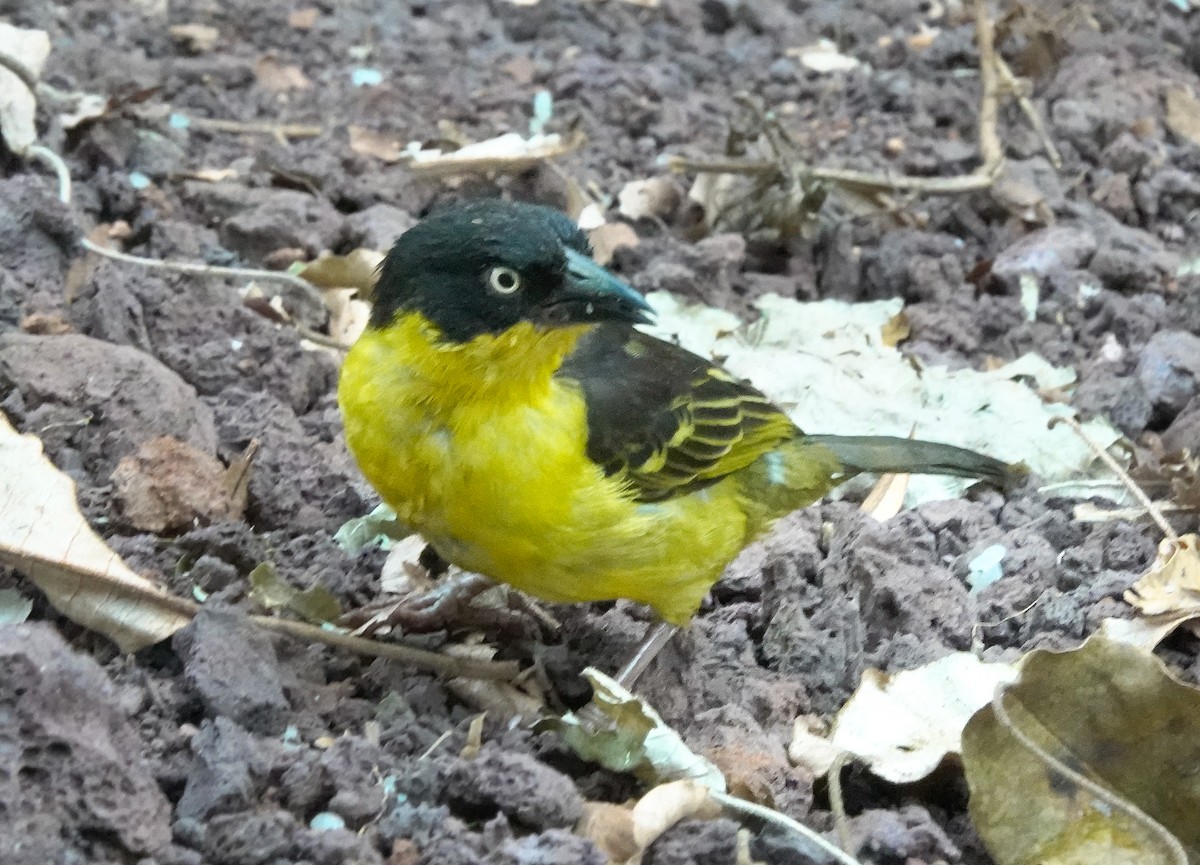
{"x": 882, "y": 454}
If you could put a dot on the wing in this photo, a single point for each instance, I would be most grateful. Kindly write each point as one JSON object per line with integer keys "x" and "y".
{"x": 665, "y": 420}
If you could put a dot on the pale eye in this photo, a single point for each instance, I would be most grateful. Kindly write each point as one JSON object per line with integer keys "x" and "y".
{"x": 504, "y": 280}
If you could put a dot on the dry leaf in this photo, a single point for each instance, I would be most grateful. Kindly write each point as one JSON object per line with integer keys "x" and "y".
{"x": 903, "y": 725}
{"x": 609, "y": 827}
{"x": 88, "y": 106}
{"x": 643, "y": 199}
{"x": 213, "y": 175}
{"x": 810, "y": 749}
{"x": 666, "y": 805}
{"x": 823, "y": 56}
{"x": 886, "y": 498}
{"x": 608, "y": 238}
{"x": 355, "y": 270}
{"x": 167, "y": 485}
{"x": 303, "y": 19}
{"x": 44, "y": 537}
{"x": 510, "y": 154}
{"x": 1172, "y": 585}
{"x": 895, "y": 330}
{"x": 348, "y": 316}
{"x": 385, "y": 146}
{"x": 402, "y": 572}
{"x": 1183, "y": 114}
{"x": 1111, "y": 713}
{"x": 278, "y": 77}
{"x": 199, "y": 38}
{"x": 17, "y": 105}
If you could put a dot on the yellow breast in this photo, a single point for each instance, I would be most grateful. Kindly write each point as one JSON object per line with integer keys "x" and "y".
{"x": 482, "y": 450}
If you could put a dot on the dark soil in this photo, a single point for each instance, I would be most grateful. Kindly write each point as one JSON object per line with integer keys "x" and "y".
{"x": 233, "y": 748}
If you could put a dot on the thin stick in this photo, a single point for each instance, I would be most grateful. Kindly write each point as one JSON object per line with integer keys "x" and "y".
{"x": 660, "y": 634}
{"x": 991, "y": 151}
{"x": 1031, "y": 113}
{"x": 769, "y": 815}
{"x": 1115, "y": 467}
{"x": 443, "y": 664}
{"x": 1109, "y": 798}
{"x": 287, "y": 130}
{"x": 55, "y": 162}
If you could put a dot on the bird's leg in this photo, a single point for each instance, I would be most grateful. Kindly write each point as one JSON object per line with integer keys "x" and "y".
{"x": 654, "y": 642}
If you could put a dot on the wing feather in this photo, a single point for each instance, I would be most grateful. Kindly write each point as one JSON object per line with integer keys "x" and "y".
{"x": 664, "y": 420}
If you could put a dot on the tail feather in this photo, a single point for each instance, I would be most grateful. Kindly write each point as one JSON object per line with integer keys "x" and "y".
{"x": 882, "y": 454}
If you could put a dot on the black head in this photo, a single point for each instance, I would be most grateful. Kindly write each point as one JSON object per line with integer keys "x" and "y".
{"x": 485, "y": 266}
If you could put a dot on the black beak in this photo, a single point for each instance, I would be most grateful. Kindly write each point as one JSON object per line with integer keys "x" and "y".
{"x": 591, "y": 293}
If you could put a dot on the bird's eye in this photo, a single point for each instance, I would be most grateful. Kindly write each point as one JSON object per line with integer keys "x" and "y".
{"x": 504, "y": 280}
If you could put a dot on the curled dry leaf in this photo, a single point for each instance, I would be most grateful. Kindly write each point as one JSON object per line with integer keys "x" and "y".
{"x": 1092, "y": 759}
{"x": 1172, "y": 585}
{"x": 199, "y": 38}
{"x": 507, "y": 154}
{"x": 903, "y": 725}
{"x": 666, "y": 805}
{"x": 169, "y": 485}
{"x": 609, "y": 237}
{"x": 384, "y": 146}
{"x": 17, "y": 105}
{"x": 644, "y": 199}
{"x": 355, "y": 270}
{"x": 609, "y": 827}
{"x": 637, "y": 740}
{"x": 279, "y": 77}
{"x": 44, "y": 537}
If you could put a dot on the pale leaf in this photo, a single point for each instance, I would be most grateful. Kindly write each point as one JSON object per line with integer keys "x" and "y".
{"x": 902, "y": 725}
{"x": 44, "y": 537}
{"x": 17, "y": 105}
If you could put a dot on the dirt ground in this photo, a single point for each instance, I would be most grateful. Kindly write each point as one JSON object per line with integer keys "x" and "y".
{"x": 224, "y": 745}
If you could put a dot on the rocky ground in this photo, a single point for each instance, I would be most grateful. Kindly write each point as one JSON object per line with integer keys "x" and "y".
{"x": 222, "y": 745}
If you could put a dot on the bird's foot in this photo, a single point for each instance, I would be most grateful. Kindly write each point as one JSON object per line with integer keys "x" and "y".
{"x": 446, "y": 607}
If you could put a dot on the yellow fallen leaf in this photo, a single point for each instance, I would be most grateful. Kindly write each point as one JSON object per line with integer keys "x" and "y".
{"x": 1090, "y": 756}
{"x": 355, "y": 270}
{"x": 44, "y": 537}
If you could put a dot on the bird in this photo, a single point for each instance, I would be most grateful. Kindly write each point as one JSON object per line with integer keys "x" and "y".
{"x": 504, "y": 403}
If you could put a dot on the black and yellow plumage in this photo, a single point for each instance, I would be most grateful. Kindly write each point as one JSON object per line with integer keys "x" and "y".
{"x": 504, "y": 404}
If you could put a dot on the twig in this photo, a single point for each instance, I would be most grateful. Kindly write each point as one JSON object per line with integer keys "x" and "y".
{"x": 1112, "y": 800}
{"x": 19, "y": 69}
{"x": 443, "y": 664}
{"x": 990, "y": 148}
{"x": 1115, "y": 467}
{"x": 48, "y": 157}
{"x": 257, "y": 127}
{"x": 769, "y": 815}
{"x": 1013, "y": 84}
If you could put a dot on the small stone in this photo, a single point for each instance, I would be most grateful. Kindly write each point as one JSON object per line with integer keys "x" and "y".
{"x": 167, "y": 485}
{"x": 1043, "y": 253}
{"x": 233, "y": 668}
{"x": 516, "y": 785}
{"x": 1169, "y": 370}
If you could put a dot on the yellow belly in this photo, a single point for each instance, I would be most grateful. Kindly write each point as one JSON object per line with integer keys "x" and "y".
{"x": 481, "y": 450}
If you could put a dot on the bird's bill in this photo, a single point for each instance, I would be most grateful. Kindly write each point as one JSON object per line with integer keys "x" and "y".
{"x": 593, "y": 293}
